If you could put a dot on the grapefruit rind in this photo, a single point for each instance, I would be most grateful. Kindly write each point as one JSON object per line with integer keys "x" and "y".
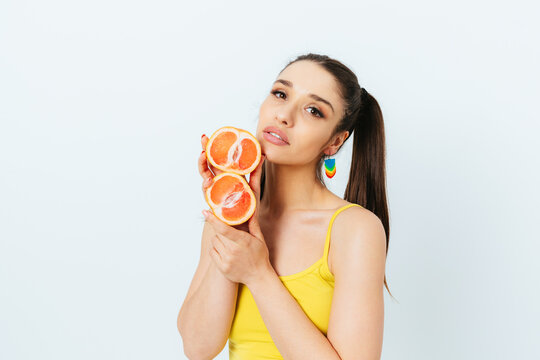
{"x": 217, "y": 208}
{"x": 241, "y": 134}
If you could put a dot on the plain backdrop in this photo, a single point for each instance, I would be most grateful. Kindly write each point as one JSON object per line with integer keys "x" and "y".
{"x": 102, "y": 106}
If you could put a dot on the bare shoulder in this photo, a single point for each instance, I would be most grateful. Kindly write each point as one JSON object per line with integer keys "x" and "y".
{"x": 355, "y": 229}
{"x": 356, "y": 323}
{"x": 356, "y": 219}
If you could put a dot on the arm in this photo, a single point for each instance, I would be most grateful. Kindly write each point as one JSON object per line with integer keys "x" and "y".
{"x": 357, "y": 314}
{"x": 205, "y": 318}
{"x": 357, "y": 317}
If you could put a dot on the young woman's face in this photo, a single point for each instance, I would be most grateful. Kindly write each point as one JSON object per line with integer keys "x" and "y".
{"x": 305, "y": 105}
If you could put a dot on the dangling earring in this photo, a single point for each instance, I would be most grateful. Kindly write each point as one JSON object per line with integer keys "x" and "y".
{"x": 330, "y": 167}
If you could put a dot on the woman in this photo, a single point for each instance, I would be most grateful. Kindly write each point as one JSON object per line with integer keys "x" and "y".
{"x": 260, "y": 285}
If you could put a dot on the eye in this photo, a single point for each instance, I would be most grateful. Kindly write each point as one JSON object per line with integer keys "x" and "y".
{"x": 278, "y": 92}
{"x": 320, "y": 114}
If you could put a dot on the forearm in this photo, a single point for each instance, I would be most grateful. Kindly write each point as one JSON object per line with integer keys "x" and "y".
{"x": 205, "y": 320}
{"x": 294, "y": 334}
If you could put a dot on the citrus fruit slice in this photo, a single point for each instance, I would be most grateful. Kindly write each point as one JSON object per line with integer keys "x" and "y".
{"x": 233, "y": 150}
{"x": 231, "y": 199}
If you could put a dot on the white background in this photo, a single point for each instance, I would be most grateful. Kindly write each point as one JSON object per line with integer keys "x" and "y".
{"x": 102, "y": 105}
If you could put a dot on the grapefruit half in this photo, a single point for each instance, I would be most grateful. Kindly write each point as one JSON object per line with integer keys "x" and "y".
{"x": 233, "y": 150}
{"x": 231, "y": 199}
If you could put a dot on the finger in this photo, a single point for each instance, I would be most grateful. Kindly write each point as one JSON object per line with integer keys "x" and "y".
{"x": 207, "y": 183}
{"x": 204, "y": 141}
{"x": 214, "y": 254}
{"x": 210, "y": 167}
{"x": 254, "y": 227}
{"x": 255, "y": 178}
{"x": 229, "y": 245}
{"x": 207, "y": 166}
{"x": 217, "y": 243}
{"x": 219, "y": 226}
{"x": 205, "y": 172}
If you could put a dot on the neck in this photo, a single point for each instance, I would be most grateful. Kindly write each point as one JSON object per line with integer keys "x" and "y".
{"x": 291, "y": 188}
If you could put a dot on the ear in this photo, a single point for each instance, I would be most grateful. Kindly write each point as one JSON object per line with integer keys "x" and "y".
{"x": 336, "y": 143}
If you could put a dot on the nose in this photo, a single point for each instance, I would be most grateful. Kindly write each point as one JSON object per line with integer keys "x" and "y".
{"x": 284, "y": 115}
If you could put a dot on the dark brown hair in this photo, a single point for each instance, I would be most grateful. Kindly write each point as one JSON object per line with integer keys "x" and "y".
{"x": 363, "y": 117}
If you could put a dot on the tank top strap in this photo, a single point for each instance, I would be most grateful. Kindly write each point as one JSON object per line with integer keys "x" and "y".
{"x": 327, "y": 241}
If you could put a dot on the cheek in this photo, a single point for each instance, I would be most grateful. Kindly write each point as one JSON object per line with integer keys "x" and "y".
{"x": 264, "y": 111}
{"x": 309, "y": 140}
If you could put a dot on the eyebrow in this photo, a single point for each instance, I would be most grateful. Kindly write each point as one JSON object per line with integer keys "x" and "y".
{"x": 313, "y": 96}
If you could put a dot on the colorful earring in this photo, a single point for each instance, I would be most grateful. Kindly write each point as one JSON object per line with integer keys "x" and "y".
{"x": 330, "y": 167}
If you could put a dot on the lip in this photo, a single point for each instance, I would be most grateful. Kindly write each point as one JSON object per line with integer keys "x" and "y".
{"x": 277, "y": 131}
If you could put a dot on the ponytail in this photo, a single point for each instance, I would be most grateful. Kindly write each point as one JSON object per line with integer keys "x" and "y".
{"x": 367, "y": 176}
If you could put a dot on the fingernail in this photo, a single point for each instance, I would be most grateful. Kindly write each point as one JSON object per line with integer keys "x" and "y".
{"x": 205, "y": 214}
{"x": 202, "y": 136}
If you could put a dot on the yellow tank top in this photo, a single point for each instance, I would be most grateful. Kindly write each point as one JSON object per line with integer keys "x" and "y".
{"x": 312, "y": 288}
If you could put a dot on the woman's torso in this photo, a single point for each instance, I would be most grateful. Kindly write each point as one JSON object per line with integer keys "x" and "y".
{"x": 304, "y": 267}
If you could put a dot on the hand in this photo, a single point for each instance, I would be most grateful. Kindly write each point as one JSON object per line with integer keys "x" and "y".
{"x": 241, "y": 255}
